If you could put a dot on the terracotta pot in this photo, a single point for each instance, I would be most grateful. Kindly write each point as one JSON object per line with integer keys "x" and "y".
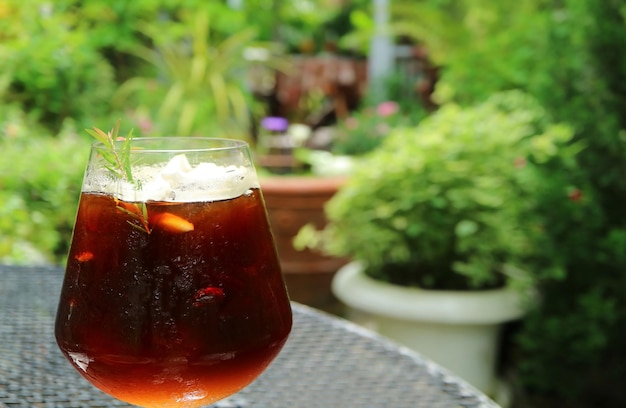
{"x": 292, "y": 202}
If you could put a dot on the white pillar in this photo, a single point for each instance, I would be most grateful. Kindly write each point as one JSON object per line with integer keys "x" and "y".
{"x": 235, "y": 4}
{"x": 380, "y": 62}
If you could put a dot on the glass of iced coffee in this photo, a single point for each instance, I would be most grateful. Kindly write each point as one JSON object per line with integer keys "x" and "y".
{"x": 173, "y": 294}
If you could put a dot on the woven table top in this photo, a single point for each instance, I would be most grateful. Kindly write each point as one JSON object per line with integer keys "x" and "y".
{"x": 327, "y": 361}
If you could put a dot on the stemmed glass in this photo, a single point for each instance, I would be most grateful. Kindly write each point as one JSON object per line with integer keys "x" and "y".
{"x": 173, "y": 294}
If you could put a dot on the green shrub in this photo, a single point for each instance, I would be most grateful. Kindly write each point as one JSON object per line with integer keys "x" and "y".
{"x": 457, "y": 202}
{"x": 569, "y": 56}
{"x": 53, "y": 70}
{"x": 40, "y": 180}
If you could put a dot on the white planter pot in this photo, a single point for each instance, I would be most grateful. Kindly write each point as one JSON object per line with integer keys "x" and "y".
{"x": 457, "y": 329}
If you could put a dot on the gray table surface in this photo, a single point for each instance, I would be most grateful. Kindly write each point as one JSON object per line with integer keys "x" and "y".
{"x": 327, "y": 361}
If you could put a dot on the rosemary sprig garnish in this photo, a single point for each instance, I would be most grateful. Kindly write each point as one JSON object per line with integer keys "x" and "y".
{"x": 118, "y": 159}
{"x": 139, "y": 212}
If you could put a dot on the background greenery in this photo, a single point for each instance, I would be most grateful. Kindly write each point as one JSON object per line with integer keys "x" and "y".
{"x": 445, "y": 205}
{"x": 66, "y": 65}
{"x": 164, "y": 67}
{"x": 566, "y": 54}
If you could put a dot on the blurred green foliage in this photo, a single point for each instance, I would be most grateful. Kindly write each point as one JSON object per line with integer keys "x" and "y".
{"x": 162, "y": 67}
{"x": 197, "y": 85}
{"x": 456, "y": 202}
{"x": 63, "y": 63}
{"x": 40, "y": 180}
{"x": 366, "y": 128}
{"x": 52, "y": 70}
{"x": 569, "y": 56}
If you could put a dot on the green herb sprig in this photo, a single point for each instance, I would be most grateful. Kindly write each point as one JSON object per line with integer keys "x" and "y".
{"x": 117, "y": 156}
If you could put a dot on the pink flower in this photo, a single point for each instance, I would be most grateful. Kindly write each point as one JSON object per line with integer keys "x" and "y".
{"x": 383, "y": 128}
{"x": 520, "y": 162}
{"x": 12, "y": 130}
{"x": 145, "y": 124}
{"x": 352, "y": 123}
{"x": 575, "y": 195}
{"x": 388, "y": 108}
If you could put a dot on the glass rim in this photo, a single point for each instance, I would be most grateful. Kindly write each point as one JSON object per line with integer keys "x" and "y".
{"x": 215, "y": 144}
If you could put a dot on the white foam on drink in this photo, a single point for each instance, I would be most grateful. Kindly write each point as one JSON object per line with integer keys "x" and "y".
{"x": 177, "y": 181}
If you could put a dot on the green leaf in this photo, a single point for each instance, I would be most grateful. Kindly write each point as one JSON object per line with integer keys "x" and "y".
{"x": 466, "y": 228}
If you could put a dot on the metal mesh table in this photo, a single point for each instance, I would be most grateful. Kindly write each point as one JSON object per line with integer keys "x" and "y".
{"x": 327, "y": 361}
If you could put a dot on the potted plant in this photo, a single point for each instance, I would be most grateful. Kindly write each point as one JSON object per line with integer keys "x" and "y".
{"x": 296, "y": 198}
{"x": 443, "y": 218}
